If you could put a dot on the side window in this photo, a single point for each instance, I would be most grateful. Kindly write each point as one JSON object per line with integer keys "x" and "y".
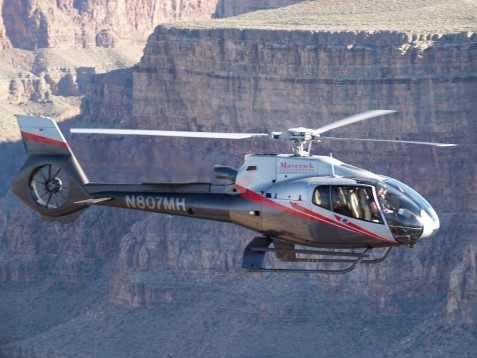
{"x": 321, "y": 197}
{"x": 355, "y": 201}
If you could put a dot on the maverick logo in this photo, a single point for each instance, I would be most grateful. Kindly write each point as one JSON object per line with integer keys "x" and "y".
{"x": 292, "y": 167}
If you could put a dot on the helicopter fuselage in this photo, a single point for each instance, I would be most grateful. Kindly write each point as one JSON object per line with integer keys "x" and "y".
{"x": 290, "y": 199}
{"x": 313, "y": 201}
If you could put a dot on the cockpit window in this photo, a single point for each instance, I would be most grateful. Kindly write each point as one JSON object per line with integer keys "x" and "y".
{"x": 402, "y": 212}
{"x": 414, "y": 196}
{"x": 386, "y": 201}
{"x": 353, "y": 201}
{"x": 321, "y": 197}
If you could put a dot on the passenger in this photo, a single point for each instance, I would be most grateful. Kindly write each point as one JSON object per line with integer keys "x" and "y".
{"x": 321, "y": 197}
{"x": 340, "y": 206}
{"x": 375, "y": 211}
{"x": 365, "y": 202}
{"x": 353, "y": 204}
{"x": 316, "y": 197}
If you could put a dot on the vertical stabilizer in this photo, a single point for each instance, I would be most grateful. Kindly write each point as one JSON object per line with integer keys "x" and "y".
{"x": 41, "y": 135}
{"x": 51, "y": 182}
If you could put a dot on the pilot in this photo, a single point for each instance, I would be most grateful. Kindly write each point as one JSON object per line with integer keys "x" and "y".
{"x": 388, "y": 204}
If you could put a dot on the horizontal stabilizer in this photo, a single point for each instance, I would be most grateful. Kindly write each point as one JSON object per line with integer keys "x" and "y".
{"x": 92, "y": 201}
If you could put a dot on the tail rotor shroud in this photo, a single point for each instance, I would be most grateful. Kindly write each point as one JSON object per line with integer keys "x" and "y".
{"x": 50, "y": 186}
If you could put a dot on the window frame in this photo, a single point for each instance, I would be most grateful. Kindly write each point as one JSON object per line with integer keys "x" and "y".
{"x": 372, "y": 216}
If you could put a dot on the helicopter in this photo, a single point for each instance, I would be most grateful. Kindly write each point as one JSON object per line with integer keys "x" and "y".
{"x": 315, "y": 213}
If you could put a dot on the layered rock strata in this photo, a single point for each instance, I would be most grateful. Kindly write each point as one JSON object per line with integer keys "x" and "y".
{"x": 195, "y": 77}
{"x": 246, "y": 80}
{"x": 62, "y": 24}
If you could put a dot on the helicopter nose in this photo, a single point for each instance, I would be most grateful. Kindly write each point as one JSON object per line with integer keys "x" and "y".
{"x": 430, "y": 225}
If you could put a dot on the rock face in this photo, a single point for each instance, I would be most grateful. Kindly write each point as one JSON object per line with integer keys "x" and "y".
{"x": 187, "y": 273}
{"x": 88, "y": 23}
{"x": 462, "y": 288}
{"x": 67, "y": 23}
{"x": 253, "y": 78}
{"x": 74, "y": 39}
{"x": 253, "y": 81}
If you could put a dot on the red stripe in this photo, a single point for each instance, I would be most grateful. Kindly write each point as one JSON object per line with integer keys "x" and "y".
{"x": 348, "y": 226}
{"x": 305, "y": 213}
{"x": 40, "y": 139}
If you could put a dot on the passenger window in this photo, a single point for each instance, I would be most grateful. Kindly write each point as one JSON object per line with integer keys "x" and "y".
{"x": 321, "y": 197}
{"x": 355, "y": 201}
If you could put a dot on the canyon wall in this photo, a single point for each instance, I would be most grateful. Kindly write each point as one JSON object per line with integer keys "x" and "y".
{"x": 236, "y": 80}
{"x": 255, "y": 81}
{"x": 88, "y": 23}
{"x": 53, "y": 49}
{"x": 68, "y": 23}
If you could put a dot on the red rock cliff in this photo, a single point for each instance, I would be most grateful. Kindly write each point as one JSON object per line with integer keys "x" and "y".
{"x": 67, "y": 23}
{"x": 254, "y": 80}
{"x": 246, "y": 80}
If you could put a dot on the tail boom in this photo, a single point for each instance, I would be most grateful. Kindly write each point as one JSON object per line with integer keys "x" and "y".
{"x": 196, "y": 200}
{"x": 52, "y": 183}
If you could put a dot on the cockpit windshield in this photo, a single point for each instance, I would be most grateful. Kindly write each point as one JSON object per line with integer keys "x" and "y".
{"x": 385, "y": 201}
{"x": 402, "y": 212}
{"x": 414, "y": 196}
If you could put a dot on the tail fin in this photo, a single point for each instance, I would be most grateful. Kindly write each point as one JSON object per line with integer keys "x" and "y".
{"x": 51, "y": 182}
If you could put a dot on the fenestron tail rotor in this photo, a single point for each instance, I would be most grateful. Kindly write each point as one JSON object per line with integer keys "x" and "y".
{"x": 49, "y": 186}
{"x": 299, "y": 137}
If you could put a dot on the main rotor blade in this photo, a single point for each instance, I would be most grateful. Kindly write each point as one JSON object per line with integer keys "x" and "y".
{"x": 392, "y": 141}
{"x": 148, "y": 132}
{"x": 353, "y": 119}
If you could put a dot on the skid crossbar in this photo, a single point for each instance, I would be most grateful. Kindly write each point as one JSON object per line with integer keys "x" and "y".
{"x": 256, "y": 250}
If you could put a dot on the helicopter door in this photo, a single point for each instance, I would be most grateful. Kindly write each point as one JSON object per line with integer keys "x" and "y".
{"x": 354, "y": 204}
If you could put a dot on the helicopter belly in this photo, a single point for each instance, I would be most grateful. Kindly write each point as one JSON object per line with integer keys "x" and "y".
{"x": 325, "y": 235}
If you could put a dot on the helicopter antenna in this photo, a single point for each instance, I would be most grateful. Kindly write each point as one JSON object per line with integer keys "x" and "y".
{"x": 332, "y": 165}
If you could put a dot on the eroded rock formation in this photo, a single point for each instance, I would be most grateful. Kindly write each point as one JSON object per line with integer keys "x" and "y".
{"x": 67, "y": 23}
{"x": 254, "y": 81}
{"x": 239, "y": 80}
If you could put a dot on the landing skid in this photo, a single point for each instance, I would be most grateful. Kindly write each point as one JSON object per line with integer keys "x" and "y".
{"x": 255, "y": 253}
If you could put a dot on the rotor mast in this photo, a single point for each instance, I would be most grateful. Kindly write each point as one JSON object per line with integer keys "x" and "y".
{"x": 300, "y": 139}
